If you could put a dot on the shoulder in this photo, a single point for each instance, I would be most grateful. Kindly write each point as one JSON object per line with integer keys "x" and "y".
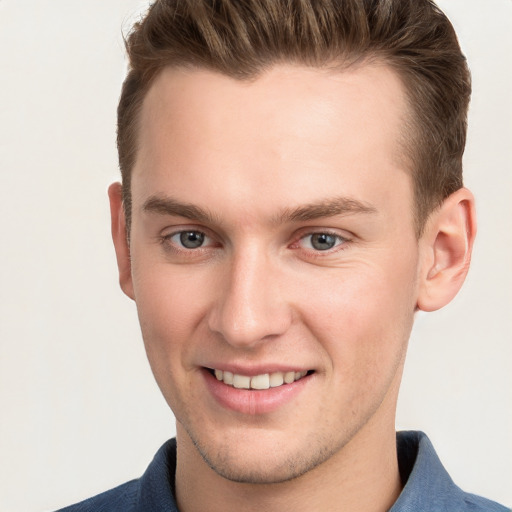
{"x": 427, "y": 485}
{"x": 121, "y": 498}
{"x": 475, "y": 503}
{"x": 154, "y": 491}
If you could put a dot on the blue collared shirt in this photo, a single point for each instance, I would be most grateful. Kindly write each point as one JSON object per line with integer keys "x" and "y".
{"x": 427, "y": 485}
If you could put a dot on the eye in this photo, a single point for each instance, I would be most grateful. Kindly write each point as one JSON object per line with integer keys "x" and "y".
{"x": 321, "y": 241}
{"x": 189, "y": 239}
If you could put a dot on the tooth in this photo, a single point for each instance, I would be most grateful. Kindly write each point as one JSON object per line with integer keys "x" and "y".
{"x": 276, "y": 379}
{"x": 263, "y": 381}
{"x": 241, "y": 381}
{"x": 260, "y": 381}
{"x": 289, "y": 377}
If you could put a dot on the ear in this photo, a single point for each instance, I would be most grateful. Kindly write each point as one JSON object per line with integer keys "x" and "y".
{"x": 446, "y": 246}
{"x": 119, "y": 236}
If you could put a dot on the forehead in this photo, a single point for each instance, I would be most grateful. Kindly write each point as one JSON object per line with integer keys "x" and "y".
{"x": 294, "y": 129}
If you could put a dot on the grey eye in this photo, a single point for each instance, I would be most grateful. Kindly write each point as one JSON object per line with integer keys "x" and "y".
{"x": 323, "y": 241}
{"x": 191, "y": 239}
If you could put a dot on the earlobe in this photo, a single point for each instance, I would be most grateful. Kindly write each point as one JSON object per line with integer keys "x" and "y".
{"x": 119, "y": 237}
{"x": 446, "y": 246}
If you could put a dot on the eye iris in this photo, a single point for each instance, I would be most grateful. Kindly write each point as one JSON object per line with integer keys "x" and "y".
{"x": 323, "y": 241}
{"x": 191, "y": 239}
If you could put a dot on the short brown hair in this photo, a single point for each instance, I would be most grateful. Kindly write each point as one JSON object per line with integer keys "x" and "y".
{"x": 243, "y": 38}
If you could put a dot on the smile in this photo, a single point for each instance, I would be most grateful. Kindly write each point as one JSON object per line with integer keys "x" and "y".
{"x": 252, "y": 393}
{"x": 259, "y": 382}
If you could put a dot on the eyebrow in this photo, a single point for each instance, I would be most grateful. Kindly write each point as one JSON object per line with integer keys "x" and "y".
{"x": 169, "y": 206}
{"x": 326, "y": 208}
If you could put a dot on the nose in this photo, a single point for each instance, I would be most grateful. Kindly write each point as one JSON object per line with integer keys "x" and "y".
{"x": 250, "y": 306}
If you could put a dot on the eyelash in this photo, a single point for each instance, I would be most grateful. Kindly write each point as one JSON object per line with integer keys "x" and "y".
{"x": 341, "y": 243}
{"x": 169, "y": 245}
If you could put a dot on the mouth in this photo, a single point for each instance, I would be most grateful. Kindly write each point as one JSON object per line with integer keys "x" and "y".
{"x": 258, "y": 382}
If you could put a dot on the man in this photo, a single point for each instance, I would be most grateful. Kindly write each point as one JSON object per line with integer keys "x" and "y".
{"x": 292, "y": 195}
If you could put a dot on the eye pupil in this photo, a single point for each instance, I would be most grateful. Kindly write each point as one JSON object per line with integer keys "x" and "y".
{"x": 323, "y": 241}
{"x": 192, "y": 239}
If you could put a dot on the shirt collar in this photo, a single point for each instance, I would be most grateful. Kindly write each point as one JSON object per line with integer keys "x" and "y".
{"x": 426, "y": 481}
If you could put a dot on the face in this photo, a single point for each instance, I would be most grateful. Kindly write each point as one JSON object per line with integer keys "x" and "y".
{"x": 273, "y": 248}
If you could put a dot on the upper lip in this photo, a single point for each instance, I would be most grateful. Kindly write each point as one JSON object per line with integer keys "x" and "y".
{"x": 259, "y": 369}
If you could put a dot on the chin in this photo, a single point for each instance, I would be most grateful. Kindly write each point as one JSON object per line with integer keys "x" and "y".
{"x": 257, "y": 467}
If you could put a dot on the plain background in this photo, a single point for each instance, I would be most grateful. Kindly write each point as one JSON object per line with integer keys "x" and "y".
{"x": 79, "y": 410}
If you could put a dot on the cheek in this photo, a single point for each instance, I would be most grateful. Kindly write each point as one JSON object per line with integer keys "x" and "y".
{"x": 170, "y": 308}
{"x": 363, "y": 319}
{"x": 364, "y": 339}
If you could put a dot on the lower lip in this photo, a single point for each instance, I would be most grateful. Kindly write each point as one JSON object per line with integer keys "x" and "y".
{"x": 253, "y": 402}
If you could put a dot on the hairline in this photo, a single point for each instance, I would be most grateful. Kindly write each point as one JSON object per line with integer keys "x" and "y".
{"x": 407, "y": 145}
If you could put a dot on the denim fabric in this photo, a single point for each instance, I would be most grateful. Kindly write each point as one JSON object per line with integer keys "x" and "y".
{"x": 151, "y": 493}
{"x": 427, "y": 485}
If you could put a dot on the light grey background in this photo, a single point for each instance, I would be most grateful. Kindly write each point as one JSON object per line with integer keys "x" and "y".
{"x": 79, "y": 409}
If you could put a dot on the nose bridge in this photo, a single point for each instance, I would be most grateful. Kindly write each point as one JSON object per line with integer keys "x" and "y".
{"x": 250, "y": 306}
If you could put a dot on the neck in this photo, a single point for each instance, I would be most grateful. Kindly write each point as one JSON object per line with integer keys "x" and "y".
{"x": 362, "y": 477}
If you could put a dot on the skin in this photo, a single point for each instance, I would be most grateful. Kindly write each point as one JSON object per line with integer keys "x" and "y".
{"x": 249, "y": 156}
